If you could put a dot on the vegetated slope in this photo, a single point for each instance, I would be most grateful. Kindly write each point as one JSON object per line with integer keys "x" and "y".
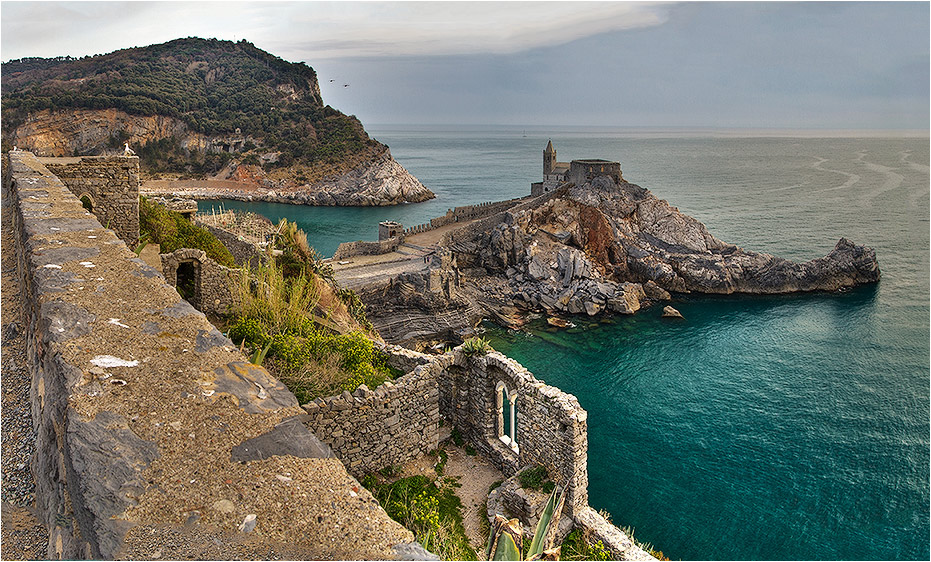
{"x": 190, "y": 107}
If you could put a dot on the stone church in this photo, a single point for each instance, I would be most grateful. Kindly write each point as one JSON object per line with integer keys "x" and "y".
{"x": 576, "y": 172}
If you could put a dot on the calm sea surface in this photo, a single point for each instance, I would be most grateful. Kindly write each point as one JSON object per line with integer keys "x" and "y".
{"x": 776, "y": 428}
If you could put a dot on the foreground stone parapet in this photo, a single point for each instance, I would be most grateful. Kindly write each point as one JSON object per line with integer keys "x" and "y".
{"x": 139, "y": 404}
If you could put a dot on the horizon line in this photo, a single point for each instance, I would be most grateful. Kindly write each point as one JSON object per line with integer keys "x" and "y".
{"x": 665, "y": 129}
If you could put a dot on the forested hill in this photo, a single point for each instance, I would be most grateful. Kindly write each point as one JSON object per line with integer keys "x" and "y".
{"x": 205, "y": 94}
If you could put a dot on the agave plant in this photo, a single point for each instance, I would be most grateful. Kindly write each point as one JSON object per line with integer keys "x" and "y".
{"x": 506, "y": 536}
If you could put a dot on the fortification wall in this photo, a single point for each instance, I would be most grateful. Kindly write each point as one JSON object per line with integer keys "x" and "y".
{"x": 363, "y": 248}
{"x": 369, "y": 430}
{"x": 459, "y": 214}
{"x": 464, "y": 213}
{"x": 112, "y": 185}
{"x": 155, "y": 438}
{"x": 211, "y": 282}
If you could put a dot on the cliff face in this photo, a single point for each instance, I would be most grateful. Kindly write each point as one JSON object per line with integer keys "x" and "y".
{"x": 86, "y": 131}
{"x": 601, "y": 244}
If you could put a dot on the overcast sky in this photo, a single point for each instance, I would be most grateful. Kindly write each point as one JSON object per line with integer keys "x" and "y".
{"x": 829, "y": 65}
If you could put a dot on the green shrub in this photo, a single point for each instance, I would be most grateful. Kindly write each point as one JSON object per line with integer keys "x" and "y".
{"x": 536, "y": 478}
{"x": 476, "y": 346}
{"x": 171, "y": 231}
{"x": 311, "y": 360}
{"x": 433, "y": 514}
{"x": 578, "y": 546}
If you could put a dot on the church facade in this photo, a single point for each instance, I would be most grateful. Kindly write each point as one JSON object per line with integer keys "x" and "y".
{"x": 576, "y": 172}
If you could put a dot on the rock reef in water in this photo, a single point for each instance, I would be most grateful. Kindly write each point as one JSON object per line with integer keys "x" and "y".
{"x": 606, "y": 246}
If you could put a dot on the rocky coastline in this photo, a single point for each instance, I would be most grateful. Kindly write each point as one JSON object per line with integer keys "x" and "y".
{"x": 583, "y": 250}
{"x": 379, "y": 182}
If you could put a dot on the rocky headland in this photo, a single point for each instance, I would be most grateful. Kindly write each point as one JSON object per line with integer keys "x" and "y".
{"x": 224, "y": 119}
{"x": 378, "y": 182}
{"x": 600, "y": 246}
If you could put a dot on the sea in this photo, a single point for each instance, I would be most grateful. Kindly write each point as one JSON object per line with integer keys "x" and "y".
{"x": 757, "y": 428}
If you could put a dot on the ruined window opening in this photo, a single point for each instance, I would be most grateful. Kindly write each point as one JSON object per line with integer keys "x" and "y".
{"x": 188, "y": 272}
{"x": 87, "y": 202}
{"x": 506, "y": 426}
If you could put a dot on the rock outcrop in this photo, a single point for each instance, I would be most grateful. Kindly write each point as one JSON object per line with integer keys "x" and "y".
{"x": 613, "y": 247}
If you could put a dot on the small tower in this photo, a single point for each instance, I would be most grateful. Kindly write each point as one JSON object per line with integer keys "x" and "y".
{"x": 549, "y": 159}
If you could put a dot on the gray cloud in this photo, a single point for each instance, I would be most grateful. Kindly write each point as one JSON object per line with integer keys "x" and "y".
{"x": 783, "y": 64}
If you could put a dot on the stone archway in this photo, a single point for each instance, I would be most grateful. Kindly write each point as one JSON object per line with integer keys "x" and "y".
{"x": 87, "y": 201}
{"x": 187, "y": 280}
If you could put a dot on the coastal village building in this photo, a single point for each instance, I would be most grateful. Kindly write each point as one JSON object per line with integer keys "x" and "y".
{"x": 577, "y": 172}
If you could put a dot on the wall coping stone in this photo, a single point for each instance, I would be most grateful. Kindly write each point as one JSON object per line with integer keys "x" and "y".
{"x": 137, "y": 419}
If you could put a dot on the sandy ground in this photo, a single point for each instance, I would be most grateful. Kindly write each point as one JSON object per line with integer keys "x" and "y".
{"x": 475, "y": 474}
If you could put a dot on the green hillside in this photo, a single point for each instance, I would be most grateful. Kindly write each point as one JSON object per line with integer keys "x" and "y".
{"x": 214, "y": 87}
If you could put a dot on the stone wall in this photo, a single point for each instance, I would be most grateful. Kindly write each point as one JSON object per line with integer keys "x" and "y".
{"x": 551, "y": 427}
{"x": 464, "y": 213}
{"x": 155, "y": 438}
{"x": 111, "y": 183}
{"x": 243, "y": 252}
{"x": 459, "y": 214}
{"x": 369, "y": 430}
{"x": 212, "y": 282}
{"x": 361, "y": 248}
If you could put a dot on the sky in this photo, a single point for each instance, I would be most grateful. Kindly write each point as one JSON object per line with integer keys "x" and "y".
{"x": 779, "y": 65}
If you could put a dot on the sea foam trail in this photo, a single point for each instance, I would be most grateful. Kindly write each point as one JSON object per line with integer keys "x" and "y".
{"x": 852, "y": 179}
{"x": 913, "y": 165}
{"x": 892, "y": 182}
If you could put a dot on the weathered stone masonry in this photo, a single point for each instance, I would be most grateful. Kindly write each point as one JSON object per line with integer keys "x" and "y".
{"x": 369, "y": 430}
{"x": 111, "y": 183}
{"x": 212, "y": 282}
{"x": 148, "y": 419}
{"x": 398, "y": 421}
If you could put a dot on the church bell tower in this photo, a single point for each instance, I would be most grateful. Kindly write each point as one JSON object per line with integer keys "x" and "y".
{"x": 549, "y": 159}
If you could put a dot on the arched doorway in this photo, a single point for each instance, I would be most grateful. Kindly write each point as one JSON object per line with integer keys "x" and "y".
{"x": 187, "y": 280}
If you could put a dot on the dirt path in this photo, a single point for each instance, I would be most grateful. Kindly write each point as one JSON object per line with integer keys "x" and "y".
{"x": 475, "y": 475}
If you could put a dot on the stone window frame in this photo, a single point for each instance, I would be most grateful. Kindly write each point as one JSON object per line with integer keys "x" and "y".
{"x": 502, "y": 390}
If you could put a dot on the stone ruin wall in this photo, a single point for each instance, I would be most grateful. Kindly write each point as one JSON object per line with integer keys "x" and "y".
{"x": 551, "y": 427}
{"x": 368, "y": 430}
{"x": 243, "y": 252}
{"x": 362, "y": 248}
{"x": 459, "y": 214}
{"x": 112, "y": 185}
{"x": 105, "y": 448}
{"x": 213, "y": 283}
{"x": 464, "y": 213}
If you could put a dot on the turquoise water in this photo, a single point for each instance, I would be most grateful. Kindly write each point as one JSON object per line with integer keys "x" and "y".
{"x": 776, "y": 428}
